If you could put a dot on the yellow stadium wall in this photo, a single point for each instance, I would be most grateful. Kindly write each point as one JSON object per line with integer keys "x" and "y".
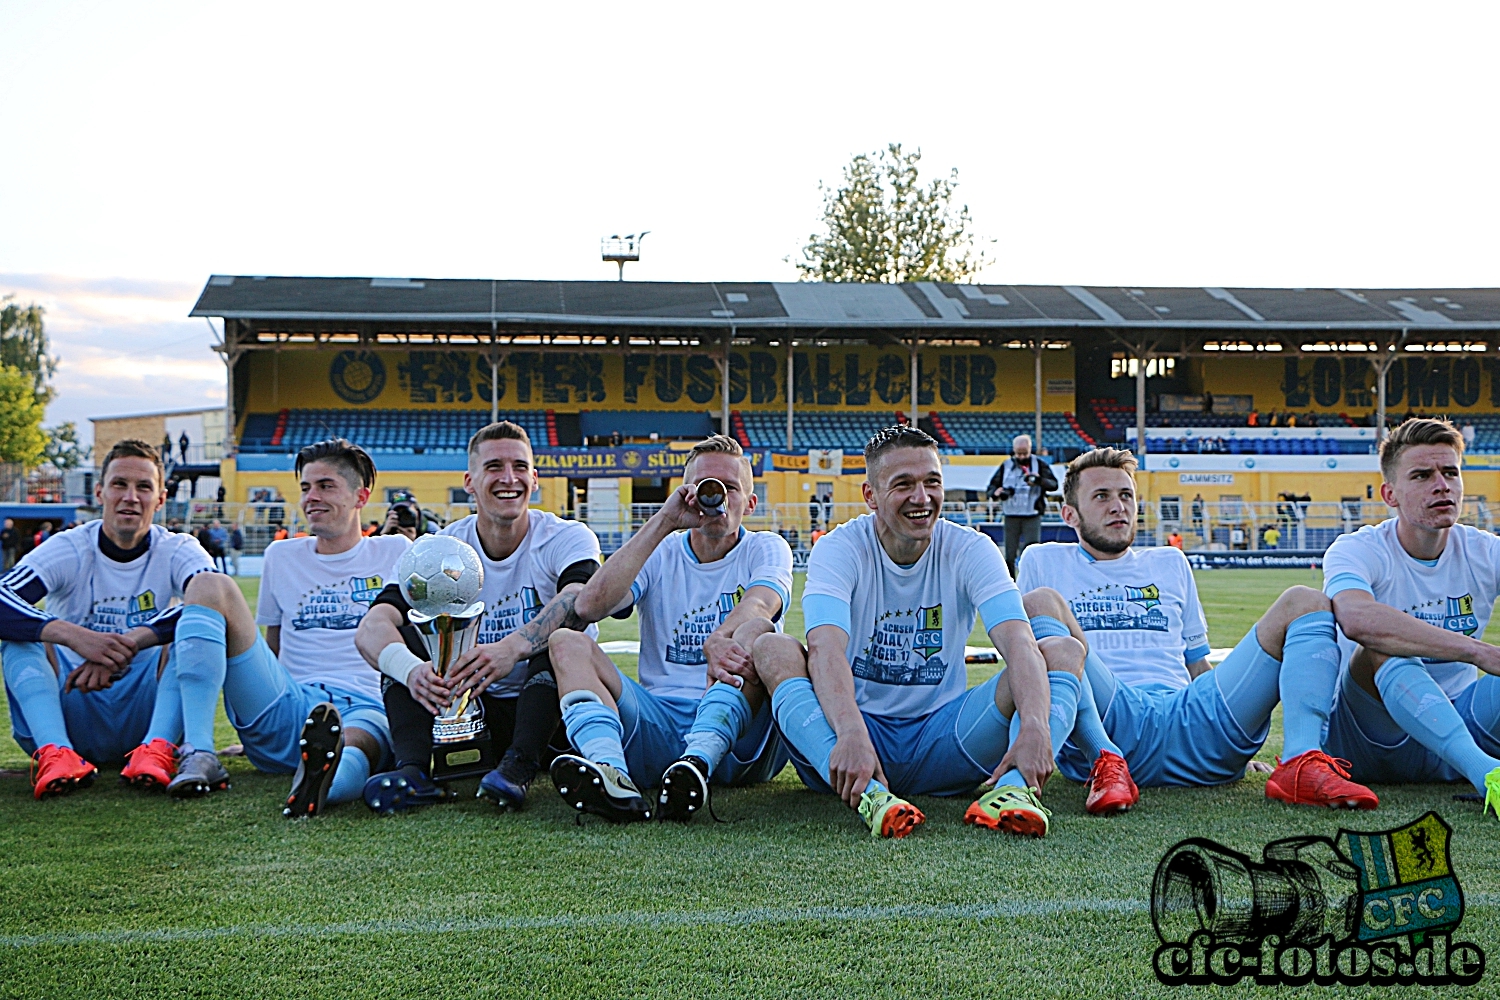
{"x": 835, "y": 378}
{"x": 1438, "y": 382}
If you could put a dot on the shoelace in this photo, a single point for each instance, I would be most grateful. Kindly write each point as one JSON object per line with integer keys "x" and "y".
{"x": 1109, "y": 768}
{"x": 1338, "y": 765}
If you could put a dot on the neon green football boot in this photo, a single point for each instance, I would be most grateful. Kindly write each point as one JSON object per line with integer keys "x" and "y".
{"x": 887, "y": 814}
{"x": 1012, "y": 809}
{"x": 1492, "y": 792}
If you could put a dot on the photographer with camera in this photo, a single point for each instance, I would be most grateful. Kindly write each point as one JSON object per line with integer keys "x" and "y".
{"x": 1021, "y": 484}
{"x": 405, "y": 517}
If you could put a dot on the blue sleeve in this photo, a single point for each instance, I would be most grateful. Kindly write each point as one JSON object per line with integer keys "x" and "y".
{"x": 19, "y": 621}
{"x": 1195, "y": 654}
{"x": 1006, "y": 607}
{"x": 821, "y": 609}
{"x": 1340, "y": 582}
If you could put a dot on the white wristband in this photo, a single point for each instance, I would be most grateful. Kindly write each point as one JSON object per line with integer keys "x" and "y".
{"x": 397, "y": 662}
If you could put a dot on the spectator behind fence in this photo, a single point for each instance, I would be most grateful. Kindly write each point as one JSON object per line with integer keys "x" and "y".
{"x": 236, "y": 548}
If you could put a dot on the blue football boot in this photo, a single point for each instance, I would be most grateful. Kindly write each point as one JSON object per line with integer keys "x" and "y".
{"x": 402, "y": 789}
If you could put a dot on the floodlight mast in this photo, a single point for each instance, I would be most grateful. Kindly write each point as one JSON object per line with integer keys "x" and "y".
{"x": 621, "y": 250}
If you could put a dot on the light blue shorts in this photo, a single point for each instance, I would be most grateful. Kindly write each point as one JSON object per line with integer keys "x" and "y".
{"x": 270, "y": 737}
{"x": 1359, "y": 718}
{"x": 1189, "y": 736}
{"x": 105, "y": 725}
{"x": 656, "y": 726}
{"x": 947, "y": 752}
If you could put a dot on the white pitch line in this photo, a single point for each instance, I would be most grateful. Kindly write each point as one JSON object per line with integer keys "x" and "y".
{"x": 627, "y": 920}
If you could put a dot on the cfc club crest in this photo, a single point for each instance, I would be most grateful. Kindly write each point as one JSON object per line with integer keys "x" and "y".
{"x": 364, "y": 589}
{"x": 142, "y": 608}
{"x": 929, "y": 636}
{"x": 1460, "y": 616}
{"x": 1374, "y": 908}
{"x": 1146, "y": 597}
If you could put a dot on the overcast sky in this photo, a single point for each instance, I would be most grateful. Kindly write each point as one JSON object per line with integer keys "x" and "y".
{"x": 150, "y": 145}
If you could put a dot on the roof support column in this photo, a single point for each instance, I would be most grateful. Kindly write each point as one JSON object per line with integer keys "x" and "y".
{"x": 1036, "y": 351}
{"x": 724, "y": 390}
{"x": 915, "y": 376}
{"x": 791, "y": 375}
{"x": 1388, "y": 355}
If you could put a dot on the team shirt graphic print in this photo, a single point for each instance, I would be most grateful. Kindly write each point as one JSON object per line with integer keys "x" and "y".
{"x": 1455, "y": 593}
{"x": 1140, "y": 611}
{"x": 681, "y": 601}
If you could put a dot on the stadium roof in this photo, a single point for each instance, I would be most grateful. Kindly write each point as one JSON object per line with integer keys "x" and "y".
{"x": 825, "y": 306}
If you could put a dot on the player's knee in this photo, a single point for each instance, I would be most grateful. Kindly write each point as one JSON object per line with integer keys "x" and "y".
{"x": 1044, "y": 601}
{"x": 217, "y": 591}
{"x": 1063, "y": 652}
{"x": 778, "y": 657}
{"x": 567, "y": 646}
{"x": 1298, "y": 601}
{"x": 750, "y": 631}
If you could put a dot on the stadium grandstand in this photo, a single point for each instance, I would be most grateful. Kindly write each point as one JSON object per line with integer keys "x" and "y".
{"x": 1235, "y": 398}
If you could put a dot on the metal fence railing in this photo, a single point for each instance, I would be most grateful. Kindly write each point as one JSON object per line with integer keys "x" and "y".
{"x": 1301, "y": 526}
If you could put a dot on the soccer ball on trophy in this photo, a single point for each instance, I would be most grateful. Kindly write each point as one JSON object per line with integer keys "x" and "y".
{"x": 440, "y": 575}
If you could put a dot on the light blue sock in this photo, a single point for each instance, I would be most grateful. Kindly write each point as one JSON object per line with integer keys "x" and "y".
{"x": 594, "y": 728}
{"x": 166, "y": 713}
{"x": 723, "y": 715}
{"x": 34, "y": 692}
{"x": 349, "y": 780}
{"x": 200, "y": 672}
{"x": 1421, "y": 708}
{"x": 800, "y": 718}
{"x": 1088, "y": 728}
{"x": 1064, "y": 688}
{"x": 1309, "y": 678}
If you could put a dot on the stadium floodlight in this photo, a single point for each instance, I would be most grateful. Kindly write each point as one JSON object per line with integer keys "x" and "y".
{"x": 622, "y": 249}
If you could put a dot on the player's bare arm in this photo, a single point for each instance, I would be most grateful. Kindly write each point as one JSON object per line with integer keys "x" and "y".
{"x": 1198, "y": 667}
{"x": 853, "y": 761}
{"x": 728, "y": 657}
{"x": 483, "y": 665}
{"x": 1383, "y": 629}
{"x": 381, "y": 628}
{"x": 104, "y": 648}
{"x": 607, "y": 590}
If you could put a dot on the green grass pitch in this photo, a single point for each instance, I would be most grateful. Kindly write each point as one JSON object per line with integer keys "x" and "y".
{"x": 108, "y": 893}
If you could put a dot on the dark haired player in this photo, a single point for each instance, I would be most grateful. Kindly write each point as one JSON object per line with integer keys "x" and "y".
{"x": 1168, "y": 718}
{"x": 97, "y": 692}
{"x": 878, "y": 708}
{"x": 301, "y": 698}
{"x": 534, "y": 564}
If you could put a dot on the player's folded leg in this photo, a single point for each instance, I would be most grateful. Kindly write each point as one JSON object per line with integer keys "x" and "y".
{"x": 537, "y": 717}
{"x": 596, "y": 779}
{"x": 722, "y": 717}
{"x": 320, "y": 749}
{"x": 57, "y": 770}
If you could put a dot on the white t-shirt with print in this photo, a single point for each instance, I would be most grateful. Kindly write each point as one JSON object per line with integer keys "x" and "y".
{"x": 521, "y": 584}
{"x": 86, "y": 587}
{"x": 907, "y": 625}
{"x": 1140, "y": 611}
{"x": 319, "y": 600}
{"x": 681, "y": 601}
{"x": 1456, "y": 593}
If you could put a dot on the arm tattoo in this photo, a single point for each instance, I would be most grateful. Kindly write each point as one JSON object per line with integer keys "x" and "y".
{"x": 557, "y": 614}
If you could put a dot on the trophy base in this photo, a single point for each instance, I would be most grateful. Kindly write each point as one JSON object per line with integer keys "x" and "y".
{"x": 458, "y": 759}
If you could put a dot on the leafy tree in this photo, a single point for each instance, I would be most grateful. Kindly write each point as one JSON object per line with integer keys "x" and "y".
{"x": 884, "y": 225}
{"x": 63, "y": 450}
{"x": 23, "y": 346}
{"x": 22, "y": 440}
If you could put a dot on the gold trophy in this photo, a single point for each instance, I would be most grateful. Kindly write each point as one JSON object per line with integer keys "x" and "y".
{"x": 440, "y": 576}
